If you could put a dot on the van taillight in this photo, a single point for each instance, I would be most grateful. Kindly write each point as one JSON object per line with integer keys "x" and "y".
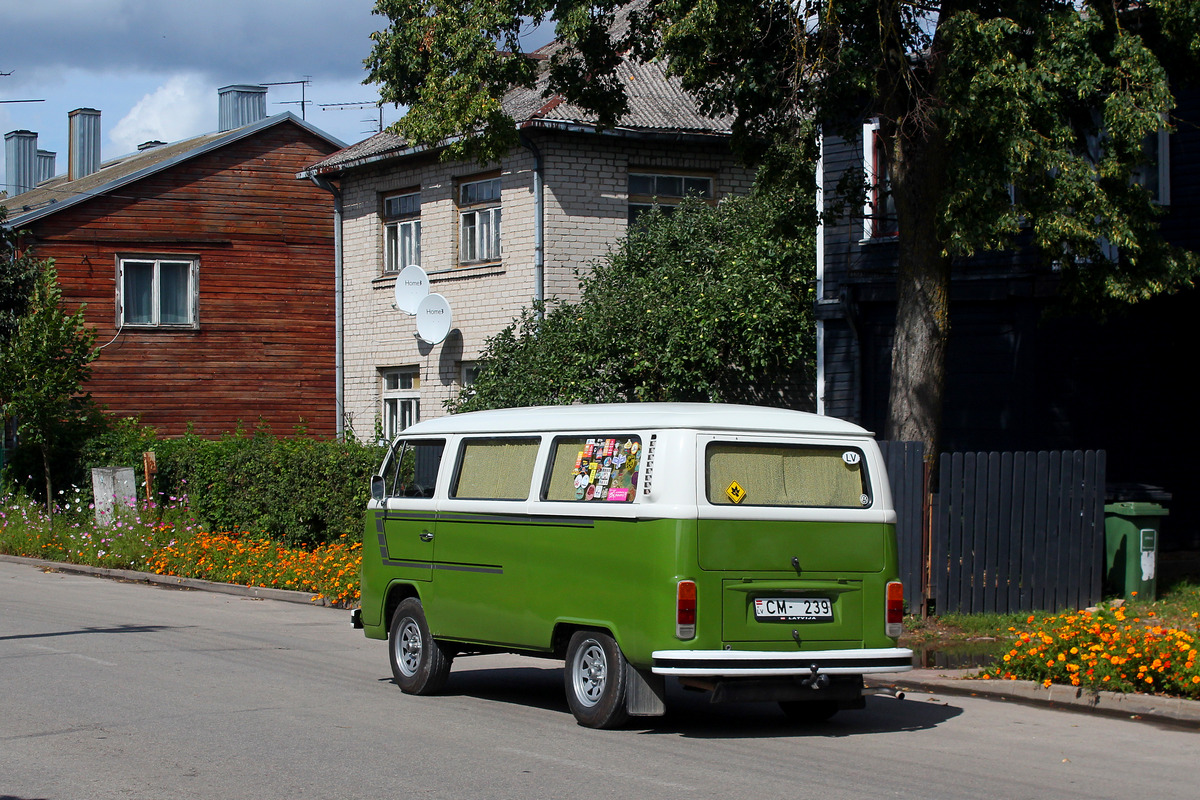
{"x": 685, "y": 610}
{"x": 895, "y": 609}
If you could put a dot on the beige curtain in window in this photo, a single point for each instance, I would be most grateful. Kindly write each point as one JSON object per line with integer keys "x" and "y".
{"x": 784, "y": 476}
{"x": 496, "y": 469}
{"x": 562, "y": 470}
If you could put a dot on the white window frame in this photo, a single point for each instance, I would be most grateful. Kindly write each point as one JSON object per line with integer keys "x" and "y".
{"x": 479, "y": 221}
{"x": 1159, "y": 164}
{"x": 399, "y": 399}
{"x": 401, "y": 231}
{"x": 156, "y": 262}
{"x": 872, "y": 160}
{"x": 661, "y": 194}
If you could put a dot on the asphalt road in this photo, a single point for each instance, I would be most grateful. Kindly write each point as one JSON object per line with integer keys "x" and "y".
{"x": 122, "y": 690}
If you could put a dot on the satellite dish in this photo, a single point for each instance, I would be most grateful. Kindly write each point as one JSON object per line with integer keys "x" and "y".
{"x": 433, "y": 318}
{"x": 412, "y": 286}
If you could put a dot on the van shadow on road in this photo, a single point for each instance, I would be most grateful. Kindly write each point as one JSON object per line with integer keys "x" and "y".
{"x": 92, "y": 629}
{"x": 691, "y": 714}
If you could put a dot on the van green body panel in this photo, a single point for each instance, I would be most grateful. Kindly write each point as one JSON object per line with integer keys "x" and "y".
{"x": 759, "y": 545}
{"x": 508, "y": 580}
{"x": 408, "y": 554}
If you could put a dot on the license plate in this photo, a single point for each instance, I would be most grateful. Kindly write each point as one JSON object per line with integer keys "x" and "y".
{"x": 793, "y": 609}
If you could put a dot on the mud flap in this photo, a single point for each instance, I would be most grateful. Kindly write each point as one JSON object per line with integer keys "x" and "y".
{"x": 645, "y": 692}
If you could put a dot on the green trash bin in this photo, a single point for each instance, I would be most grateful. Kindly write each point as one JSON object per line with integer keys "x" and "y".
{"x": 1131, "y": 548}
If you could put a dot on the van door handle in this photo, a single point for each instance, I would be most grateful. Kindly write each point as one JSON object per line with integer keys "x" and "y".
{"x": 426, "y": 536}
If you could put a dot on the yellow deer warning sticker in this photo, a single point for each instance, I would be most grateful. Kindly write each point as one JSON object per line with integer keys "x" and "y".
{"x": 735, "y": 492}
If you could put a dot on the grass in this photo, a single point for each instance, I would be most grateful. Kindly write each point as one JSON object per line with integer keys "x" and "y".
{"x": 1139, "y": 645}
{"x": 163, "y": 538}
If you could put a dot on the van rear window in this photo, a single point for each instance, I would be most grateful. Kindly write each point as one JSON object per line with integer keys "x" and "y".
{"x": 601, "y": 468}
{"x": 786, "y": 475}
{"x": 495, "y": 469}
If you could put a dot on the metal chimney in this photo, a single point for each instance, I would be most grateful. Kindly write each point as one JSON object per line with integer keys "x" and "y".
{"x": 45, "y": 164}
{"x": 20, "y": 155}
{"x": 241, "y": 105}
{"x": 83, "y": 146}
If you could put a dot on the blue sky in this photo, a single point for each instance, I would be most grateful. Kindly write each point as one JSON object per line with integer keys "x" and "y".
{"x": 153, "y": 67}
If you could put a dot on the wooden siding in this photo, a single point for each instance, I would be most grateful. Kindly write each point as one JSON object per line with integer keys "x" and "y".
{"x": 264, "y": 348}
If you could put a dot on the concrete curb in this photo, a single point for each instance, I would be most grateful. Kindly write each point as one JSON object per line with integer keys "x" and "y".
{"x": 1175, "y": 710}
{"x": 266, "y": 593}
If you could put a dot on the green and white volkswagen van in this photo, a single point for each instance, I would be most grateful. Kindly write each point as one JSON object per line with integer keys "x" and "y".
{"x": 748, "y": 552}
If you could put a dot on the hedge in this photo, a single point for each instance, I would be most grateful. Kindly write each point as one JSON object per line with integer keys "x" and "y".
{"x": 298, "y": 490}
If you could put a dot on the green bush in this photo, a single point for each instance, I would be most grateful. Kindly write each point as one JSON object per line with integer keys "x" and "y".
{"x": 707, "y": 304}
{"x": 297, "y": 490}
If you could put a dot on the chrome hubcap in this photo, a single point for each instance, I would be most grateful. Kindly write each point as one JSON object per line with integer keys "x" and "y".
{"x": 590, "y": 673}
{"x": 408, "y": 648}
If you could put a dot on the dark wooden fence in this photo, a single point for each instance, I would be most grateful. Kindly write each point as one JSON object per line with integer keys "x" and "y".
{"x": 906, "y": 470}
{"x": 1006, "y": 532}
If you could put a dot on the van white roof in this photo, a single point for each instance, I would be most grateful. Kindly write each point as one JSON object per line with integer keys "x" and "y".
{"x": 639, "y": 416}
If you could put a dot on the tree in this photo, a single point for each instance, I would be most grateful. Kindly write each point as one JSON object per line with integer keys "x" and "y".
{"x": 706, "y": 304}
{"x": 43, "y": 365}
{"x": 999, "y": 118}
{"x": 18, "y": 271}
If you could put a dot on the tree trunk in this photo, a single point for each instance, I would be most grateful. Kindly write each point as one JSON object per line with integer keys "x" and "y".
{"x": 919, "y": 348}
{"x": 918, "y": 375}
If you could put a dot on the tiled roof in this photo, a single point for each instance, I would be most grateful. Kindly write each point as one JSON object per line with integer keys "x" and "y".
{"x": 58, "y": 192}
{"x": 658, "y": 105}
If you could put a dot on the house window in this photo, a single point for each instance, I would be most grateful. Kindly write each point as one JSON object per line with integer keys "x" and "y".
{"x": 402, "y": 231}
{"x": 879, "y": 213}
{"x": 647, "y": 190}
{"x": 1154, "y": 174}
{"x": 470, "y": 372}
{"x": 157, "y": 292}
{"x": 401, "y": 399}
{"x": 479, "y": 221}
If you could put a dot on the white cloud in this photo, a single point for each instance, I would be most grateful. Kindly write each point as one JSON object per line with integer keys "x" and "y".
{"x": 182, "y": 107}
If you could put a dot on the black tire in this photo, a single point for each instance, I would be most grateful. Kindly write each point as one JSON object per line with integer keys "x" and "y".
{"x": 595, "y": 680}
{"x": 809, "y": 711}
{"x": 419, "y": 664}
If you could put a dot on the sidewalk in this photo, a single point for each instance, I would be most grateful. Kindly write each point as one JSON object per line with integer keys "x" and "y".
{"x": 1148, "y": 707}
{"x": 930, "y": 681}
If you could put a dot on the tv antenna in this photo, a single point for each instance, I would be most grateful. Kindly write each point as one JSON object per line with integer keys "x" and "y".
{"x": 302, "y": 102}
{"x": 364, "y": 104}
{"x": 7, "y": 74}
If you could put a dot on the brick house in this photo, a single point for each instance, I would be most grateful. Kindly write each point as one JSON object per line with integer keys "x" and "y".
{"x": 494, "y": 238}
{"x": 206, "y": 267}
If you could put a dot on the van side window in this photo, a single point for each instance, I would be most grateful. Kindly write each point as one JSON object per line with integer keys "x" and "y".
{"x": 495, "y": 469}
{"x": 786, "y": 475}
{"x": 598, "y": 468}
{"x": 416, "y": 467}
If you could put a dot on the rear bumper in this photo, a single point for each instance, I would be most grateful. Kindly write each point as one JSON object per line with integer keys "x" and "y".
{"x": 763, "y": 663}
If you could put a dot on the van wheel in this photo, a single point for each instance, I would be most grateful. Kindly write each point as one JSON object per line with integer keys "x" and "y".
{"x": 595, "y": 680}
{"x": 419, "y": 664}
{"x": 809, "y": 710}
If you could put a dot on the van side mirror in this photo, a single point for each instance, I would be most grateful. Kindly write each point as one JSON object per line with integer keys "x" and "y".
{"x": 377, "y": 487}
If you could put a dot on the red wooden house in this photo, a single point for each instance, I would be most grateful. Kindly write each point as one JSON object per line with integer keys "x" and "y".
{"x": 206, "y": 267}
